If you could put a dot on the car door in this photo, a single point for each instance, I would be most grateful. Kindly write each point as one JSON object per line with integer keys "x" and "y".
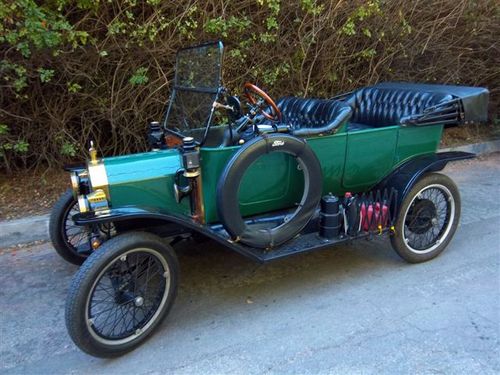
{"x": 370, "y": 155}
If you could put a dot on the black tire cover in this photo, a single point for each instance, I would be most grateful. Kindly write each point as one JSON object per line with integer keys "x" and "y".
{"x": 230, "y": 180}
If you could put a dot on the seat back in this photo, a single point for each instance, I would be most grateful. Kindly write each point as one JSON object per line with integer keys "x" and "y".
{"x": 311, "y": 116}
{"x": 378, "y": 107}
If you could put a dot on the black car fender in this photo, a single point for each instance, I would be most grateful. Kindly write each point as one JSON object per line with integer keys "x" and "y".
{"x": 149, "y": 218}
{"x": 407, "y": 174}
{"x": 138, "y": 216}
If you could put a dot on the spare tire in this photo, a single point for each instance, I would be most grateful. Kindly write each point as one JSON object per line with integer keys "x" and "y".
{"x": 229, "y": 183}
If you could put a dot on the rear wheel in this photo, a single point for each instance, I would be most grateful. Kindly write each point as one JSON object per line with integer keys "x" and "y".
{"x": 428, "y": 219}
{"x": 121, "y": 293}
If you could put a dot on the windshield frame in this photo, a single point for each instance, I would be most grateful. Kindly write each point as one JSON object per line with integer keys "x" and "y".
{"x": 177, "y": 87}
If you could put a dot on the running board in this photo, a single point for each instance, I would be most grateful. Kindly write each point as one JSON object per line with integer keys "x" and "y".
{"x": 301, "y": 244}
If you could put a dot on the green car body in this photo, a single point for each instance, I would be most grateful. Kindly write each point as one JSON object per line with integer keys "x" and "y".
{"x": 350, "y": 161}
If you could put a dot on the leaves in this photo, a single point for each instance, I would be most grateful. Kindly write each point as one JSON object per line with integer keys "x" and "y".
{"x": 4, "y": 129}
{"x": 20, "y": 146}
{"x": 46, "y": 75}
{"x": 68, "y": 149}
{"x": 139, "y": 77}
{"x": 73, "y": 87}
{"x": 72, "y": 68}
{"x": 221, "y": 26}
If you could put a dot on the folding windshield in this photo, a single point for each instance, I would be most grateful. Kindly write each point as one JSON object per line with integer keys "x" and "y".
{"x": 196, "y": 86}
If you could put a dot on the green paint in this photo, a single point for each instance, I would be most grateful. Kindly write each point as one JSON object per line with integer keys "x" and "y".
{"x": 413, "y": 141}
{"x": 350, "y": 161}
{"x": 369, "y": 157}
{"x": 145, "y": 179}
{"x": 273, "y": 182}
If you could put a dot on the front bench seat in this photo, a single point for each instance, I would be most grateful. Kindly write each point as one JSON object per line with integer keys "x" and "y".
{"x": 313, "y": 116}
{"x": 375, "y": 107}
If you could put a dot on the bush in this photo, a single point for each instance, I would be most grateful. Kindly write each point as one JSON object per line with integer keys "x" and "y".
{"x": 72, "y": 71}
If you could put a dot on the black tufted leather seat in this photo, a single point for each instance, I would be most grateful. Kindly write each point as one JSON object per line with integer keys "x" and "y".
{"x": 313, "y": 116}
{"x": 383, "y": 106}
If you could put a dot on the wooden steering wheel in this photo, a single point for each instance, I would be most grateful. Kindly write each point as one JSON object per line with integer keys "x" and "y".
{"x": 250, "y": 90}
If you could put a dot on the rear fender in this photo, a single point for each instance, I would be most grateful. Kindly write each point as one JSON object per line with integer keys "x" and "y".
{"x": 406, "y": 175}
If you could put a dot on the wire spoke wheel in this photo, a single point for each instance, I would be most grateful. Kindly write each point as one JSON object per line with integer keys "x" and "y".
{"x": 77, "y": 237}
{"x": 428, "y": 218}
{"x": 71, "y": 241}
{"x": 121, "y": 293}
{"x": 127, "y": 295}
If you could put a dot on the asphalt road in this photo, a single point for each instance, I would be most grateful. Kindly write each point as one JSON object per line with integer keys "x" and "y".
{"x": 351, "y": 309}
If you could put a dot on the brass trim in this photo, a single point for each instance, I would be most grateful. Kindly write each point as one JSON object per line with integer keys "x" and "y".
{"x": 191, "y": 174}
{"x": 97, "y": 196}
{"x": 93, "y": 154}
{"x": 98, "y": 177}
{"x": 83, "y": 204}
{"x": 97, "y": 200}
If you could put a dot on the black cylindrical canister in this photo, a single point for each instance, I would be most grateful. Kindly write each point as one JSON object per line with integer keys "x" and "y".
{"x": 329, "y": 223}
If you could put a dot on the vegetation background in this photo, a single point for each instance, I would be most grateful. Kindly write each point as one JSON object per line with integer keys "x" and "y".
{"x": 76, "y": 70}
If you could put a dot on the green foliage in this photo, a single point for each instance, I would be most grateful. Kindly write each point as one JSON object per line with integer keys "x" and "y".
{"x": 271, "y": 21}
{"x": 223, "y": 27}
{"x": 29, "y": 26}
{"x": 20, "y": 146}
{"x": 14, "y": 75}
{"x": 188, "y": 23}
{"x": 139, "y": 77}
{"x": 68, "y": 68}
{"x": 312, "y": 7}
{"x": 73, "y": 87}
{"x": 46, "y": 75}
{"x": 9, "y": 145}
{"x": 68, "y": 149}
{"x": 367, "y": 53}
{"x": 361, "y": 13}
{"x": 4, "y": 129}
{"x": 271, "y": 75}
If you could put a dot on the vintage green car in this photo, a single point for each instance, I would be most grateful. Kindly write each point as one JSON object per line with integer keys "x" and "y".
{"x": 276, "y": 179}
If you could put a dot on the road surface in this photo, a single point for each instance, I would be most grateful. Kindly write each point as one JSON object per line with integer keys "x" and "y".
{"x": 352, "y": 309}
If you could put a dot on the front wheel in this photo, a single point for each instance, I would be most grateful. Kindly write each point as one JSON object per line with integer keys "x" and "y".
{"x": 121, "y": 294}
{"x": 428, "y": 218}
{"x": 71, "y": 242}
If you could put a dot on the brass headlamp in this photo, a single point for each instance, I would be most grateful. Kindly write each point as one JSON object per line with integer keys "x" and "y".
{"x": 95, "y": 196}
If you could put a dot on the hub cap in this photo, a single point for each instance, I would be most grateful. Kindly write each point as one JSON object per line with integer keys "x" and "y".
{"x": 428, "y": 218}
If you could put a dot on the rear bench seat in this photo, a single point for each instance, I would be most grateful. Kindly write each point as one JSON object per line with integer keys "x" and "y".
{"x": 375, "y": 107}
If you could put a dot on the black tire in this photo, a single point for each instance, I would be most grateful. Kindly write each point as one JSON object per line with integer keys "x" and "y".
{"x": 58, "y": 231}
{"x": 114, "y": 261}
{"x": 427, "y": 219}
{"x": 229, "y": 182}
